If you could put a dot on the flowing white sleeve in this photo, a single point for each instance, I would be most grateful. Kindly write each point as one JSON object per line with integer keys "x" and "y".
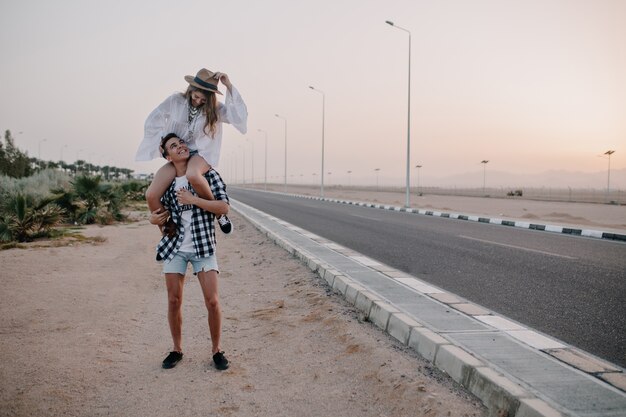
{"x": 234, "y": 111}
{"x": 156, "y": 126}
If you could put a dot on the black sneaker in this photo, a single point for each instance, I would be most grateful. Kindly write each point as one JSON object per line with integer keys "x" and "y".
{"x": 220, "y": 360}
{"x": 172, "y": 359}
{"x": 225, "y": 224}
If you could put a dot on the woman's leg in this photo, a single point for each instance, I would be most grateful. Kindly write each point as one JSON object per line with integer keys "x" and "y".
{"x": 159, "y": 185}
{"x": 196, "y": 167}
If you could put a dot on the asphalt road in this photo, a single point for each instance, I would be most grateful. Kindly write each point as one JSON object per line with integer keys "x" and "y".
{"x": 572, "y": 288}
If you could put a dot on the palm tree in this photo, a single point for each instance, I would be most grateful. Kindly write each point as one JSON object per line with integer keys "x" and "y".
{"x": 22, "y": 218}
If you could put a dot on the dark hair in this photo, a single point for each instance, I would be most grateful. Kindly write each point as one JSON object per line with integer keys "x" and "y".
{"x": 164, "y": 140}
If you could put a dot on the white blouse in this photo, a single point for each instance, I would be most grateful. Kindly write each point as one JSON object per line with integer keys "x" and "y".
{"x": 171, "y": 117}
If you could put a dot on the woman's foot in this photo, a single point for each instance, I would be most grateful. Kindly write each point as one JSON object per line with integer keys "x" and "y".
{"x": 225, "y": 224}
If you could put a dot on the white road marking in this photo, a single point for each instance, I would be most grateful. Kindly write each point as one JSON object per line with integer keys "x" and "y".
{"x": 518, "y": 247}
{"x": 364, "y": 217}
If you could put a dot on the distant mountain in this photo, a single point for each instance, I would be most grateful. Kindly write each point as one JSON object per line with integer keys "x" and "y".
{"x": 548, "y": 179}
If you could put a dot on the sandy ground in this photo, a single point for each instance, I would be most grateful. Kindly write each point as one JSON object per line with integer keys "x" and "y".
{"x": 605, "y": 217}
{"x": 84, "y": 331}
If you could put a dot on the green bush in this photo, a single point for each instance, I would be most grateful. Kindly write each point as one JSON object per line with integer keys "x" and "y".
{"x": 37, "y": 186}
{"x": 22, "y": 218}
{"x": 88, "y": 200}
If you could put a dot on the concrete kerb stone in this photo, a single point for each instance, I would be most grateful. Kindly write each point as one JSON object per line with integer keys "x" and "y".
{"x": 400, "y": 325}
{"x": 457, "y": 363}
{"x": 313, "y": 263}
{"x": 380, "y": 313}
{"x": 352, "y": 291}
{"x": 364, "y": 301}
{"x": 582, "y": 360}
{"x": 617, "y": 379}
{"x": 329, "y": 276}
{"x": 426, "y": 342}
{"x": 496, "y": 391}
{"x": 340, "y": 284}
{"x": 534, "y": 407}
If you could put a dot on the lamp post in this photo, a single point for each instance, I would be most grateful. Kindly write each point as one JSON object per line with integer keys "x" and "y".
{"x": 244, "y": 164}
{"x": 418, "y": 178}
{"x": 349, "y": 178}
{"x": 39, "y": 148}
{"x": 323, "y": 114}
{"x": 377, "y": 170}
{"x": 62, "y": 147}
{"x": 265, "y": 174}
{"x": 251, "y": 161}
{"x": 408, "y": 130}
{"x": 484, "y": 162}
{"x": 285, "y": 120}
{"x": 608, "y": 177}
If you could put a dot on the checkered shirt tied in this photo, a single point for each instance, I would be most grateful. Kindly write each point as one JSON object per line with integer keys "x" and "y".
{"x": 202, "y": 225}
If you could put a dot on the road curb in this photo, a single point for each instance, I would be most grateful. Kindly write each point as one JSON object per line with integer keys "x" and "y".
{"x": 499, "y": 393}
{"x": 571, "y": 231}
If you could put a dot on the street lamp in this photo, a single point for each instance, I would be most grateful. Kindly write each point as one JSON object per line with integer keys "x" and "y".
{"x": 39, "y": 147}
{"x": 377, "y": 170}
{"x": 418, "y": 178}
{"x": 608, "y": 178}
{"x": 285, "y": 120}
{"x": 265, "y": 175}
{"x": 244, "y": 164}
{"x": 484, "y": 162}
{"x": 62, "y": 147}
{"x": 408, "y": 130}
{"x": 323, "y": 114}
{"x": 349, "y": 178}
{"x": 251, "y": 161}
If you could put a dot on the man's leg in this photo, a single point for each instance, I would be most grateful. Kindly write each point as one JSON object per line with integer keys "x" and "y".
{"x": 175, "y": 284}
{"x": 208, "y": 282}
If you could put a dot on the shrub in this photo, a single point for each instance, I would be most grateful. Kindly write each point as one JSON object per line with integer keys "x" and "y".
{"x": 37, "y": 186}
{"x": 22, "y": 218}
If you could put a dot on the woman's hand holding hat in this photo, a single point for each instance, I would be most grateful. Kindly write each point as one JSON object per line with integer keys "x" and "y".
{"x": 223, "y": 78}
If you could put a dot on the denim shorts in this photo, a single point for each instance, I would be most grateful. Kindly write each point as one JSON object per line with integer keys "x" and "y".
{"x": 178, "y": 264}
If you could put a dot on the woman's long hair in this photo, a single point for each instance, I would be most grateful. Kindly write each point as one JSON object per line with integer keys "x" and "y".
{"x": 209, "y": 109}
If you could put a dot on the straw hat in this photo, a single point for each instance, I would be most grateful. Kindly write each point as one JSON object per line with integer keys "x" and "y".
{"x": 204, "y": 80}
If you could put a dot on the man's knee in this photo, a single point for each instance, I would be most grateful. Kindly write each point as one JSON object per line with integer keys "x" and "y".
{"x": 212, "y": 303}
{"x": 174, "y": 301}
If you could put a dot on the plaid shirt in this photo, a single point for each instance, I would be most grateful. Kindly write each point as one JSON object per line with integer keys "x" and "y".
{"x": 202, "y": 222}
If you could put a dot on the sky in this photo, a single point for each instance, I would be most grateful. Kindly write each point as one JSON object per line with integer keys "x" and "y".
{"x": 529, "y": 85}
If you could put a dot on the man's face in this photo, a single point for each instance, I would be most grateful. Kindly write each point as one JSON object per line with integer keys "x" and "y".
{"x": 177, "y": 149}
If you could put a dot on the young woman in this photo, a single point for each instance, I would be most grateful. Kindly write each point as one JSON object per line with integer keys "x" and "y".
{"x": 196, "y": 117}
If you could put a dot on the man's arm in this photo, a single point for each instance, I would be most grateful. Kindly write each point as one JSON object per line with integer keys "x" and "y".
{"x": 217, "y": 207}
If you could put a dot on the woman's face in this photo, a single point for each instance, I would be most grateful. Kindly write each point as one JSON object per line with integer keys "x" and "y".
{"x": 198, "y": 99}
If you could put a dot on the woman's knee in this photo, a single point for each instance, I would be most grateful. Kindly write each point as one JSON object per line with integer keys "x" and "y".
{"x": 195, "y": 178}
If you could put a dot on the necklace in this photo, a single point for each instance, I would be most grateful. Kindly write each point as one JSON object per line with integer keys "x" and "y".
{"x": 191, "y": 120}
{"x": 193, "y": 112}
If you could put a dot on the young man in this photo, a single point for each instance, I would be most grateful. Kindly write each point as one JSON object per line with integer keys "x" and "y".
{"x": 191, "y": 241}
